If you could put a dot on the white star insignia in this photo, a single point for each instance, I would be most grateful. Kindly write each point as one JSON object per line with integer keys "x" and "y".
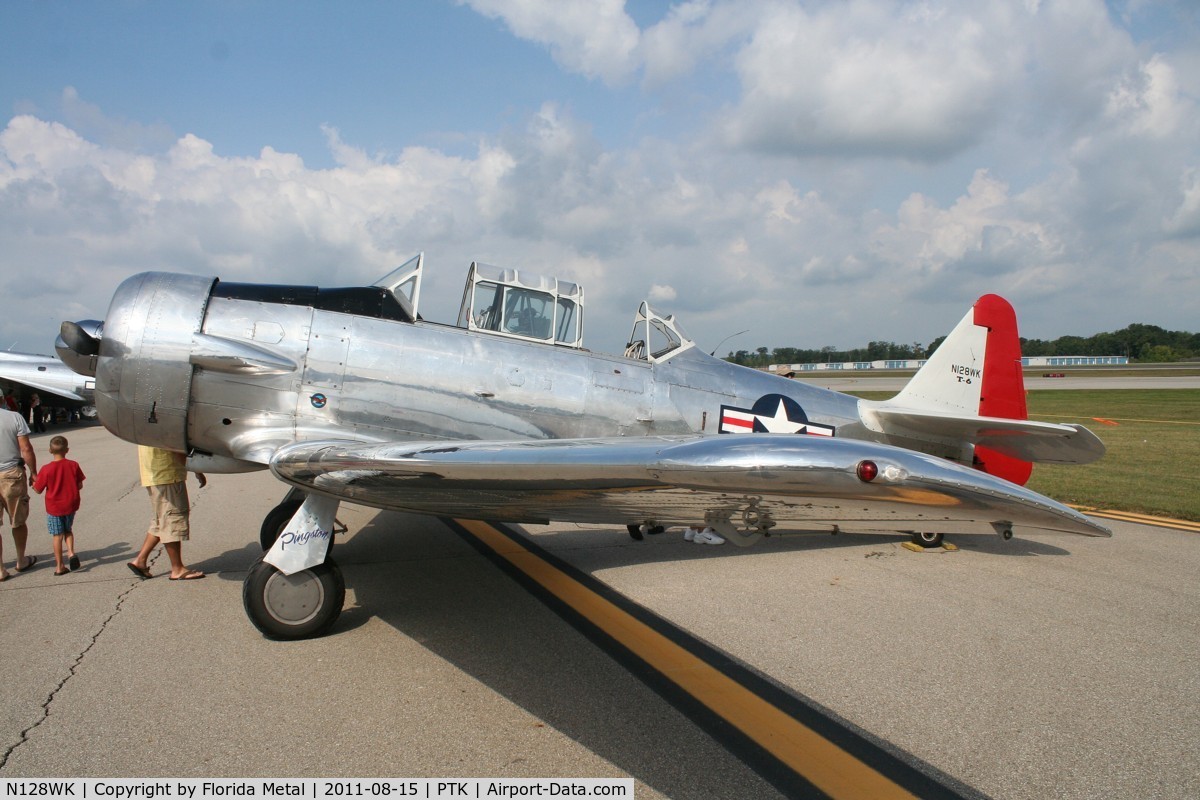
{"x": 780, "y": 422}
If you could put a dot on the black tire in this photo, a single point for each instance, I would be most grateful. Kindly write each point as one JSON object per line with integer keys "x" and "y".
{"x": 299, "y": 606}
{"x": 276, "y": 520}
{"x": 927, "y": 540}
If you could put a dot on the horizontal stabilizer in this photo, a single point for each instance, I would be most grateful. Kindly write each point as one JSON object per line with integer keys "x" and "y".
{"x": 1027, "y": 440}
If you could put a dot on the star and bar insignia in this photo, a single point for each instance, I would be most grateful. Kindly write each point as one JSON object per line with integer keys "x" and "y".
{"x": 772, "y": 413}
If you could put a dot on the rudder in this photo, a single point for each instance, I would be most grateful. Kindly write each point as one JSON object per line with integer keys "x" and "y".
{"x": 1003, "y": 390}
{"x": 977, "y": 371}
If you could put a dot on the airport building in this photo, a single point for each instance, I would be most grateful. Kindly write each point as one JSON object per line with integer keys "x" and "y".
{"x": 913, "y": 364}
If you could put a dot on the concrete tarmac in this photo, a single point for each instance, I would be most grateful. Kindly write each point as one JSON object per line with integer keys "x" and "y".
{"x": 1047, "y": 666}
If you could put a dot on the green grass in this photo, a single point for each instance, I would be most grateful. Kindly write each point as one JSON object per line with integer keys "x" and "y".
{"x": 1126, "y": 371}
{"x": 1115, "y": 372}
{"x": 1153, "y": 461}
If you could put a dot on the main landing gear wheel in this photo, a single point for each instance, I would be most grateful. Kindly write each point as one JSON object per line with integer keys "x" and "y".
{"x": 276, "y": 520}
{"x": 926, "y": 539}
{"x": 298, "y": 606}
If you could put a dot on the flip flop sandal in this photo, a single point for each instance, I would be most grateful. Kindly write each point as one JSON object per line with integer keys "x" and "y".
{"x": 141, "y": 572}
{"x": 190, "y": 575}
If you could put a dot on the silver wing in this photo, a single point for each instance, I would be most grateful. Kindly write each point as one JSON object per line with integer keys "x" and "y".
{"x": 755, "y": 481}
{"x": 41, "y": 374}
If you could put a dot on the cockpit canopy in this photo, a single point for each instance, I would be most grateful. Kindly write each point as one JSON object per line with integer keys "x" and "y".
{"x": 404, "y": 282}
{"x": 655, "y": 336}
{"x": 538, "y": 308}
{"x": 522, "y": 305}
{"x": 506, "y": 302}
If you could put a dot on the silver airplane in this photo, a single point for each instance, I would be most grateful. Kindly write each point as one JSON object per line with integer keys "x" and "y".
{"x": 22, "y": 374}
{"x": 350, "y": 395}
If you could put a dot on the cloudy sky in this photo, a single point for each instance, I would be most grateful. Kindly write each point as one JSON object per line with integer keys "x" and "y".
{"x": 820, "y": 173}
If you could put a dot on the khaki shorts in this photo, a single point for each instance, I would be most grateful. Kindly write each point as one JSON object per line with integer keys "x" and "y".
{"x": 14, "y": 492}
{"x": 171, "y": 508}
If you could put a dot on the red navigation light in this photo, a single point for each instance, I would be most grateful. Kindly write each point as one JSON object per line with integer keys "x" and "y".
{"x": 867, "y": 471}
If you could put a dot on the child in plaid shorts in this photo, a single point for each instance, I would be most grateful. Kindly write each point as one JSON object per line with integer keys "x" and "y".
{"x": 61, "y": 480}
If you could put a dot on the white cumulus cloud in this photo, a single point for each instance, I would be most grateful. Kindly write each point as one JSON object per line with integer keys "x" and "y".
{"x": 593, "y": 37}
{"x": 880, "y": 165}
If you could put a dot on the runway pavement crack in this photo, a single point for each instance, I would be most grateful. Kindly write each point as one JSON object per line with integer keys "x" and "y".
{"x": 46, "y": 705}
{"x": 27, "y": 732}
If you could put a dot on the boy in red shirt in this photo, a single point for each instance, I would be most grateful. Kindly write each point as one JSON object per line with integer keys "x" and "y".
{"x": 61, "y": 480}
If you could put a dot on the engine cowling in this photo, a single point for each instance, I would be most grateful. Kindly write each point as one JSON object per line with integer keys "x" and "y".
{"x": 144, "y": 371}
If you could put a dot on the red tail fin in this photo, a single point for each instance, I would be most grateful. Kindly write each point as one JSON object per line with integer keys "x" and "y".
{"x": 1003, "y": 390}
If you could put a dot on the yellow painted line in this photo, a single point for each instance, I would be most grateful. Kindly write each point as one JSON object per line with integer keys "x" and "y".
{"x": 827, "y": 766}
{"x": 1145, "y": 519}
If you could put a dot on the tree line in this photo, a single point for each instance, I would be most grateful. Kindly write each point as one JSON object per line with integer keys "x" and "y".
{"x": 1141, "y": 343}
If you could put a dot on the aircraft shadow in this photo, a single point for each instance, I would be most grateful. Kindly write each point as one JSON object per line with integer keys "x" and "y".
{"x": 994, "y": 545}
{"x": 487, "y": 626}
{"x": 614, "y": 548}
{"x": 231, "y": 565}
{"x": 491, "y": 629}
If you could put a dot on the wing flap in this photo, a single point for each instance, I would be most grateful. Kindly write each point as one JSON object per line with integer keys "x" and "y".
{"x": 802, "y": 480}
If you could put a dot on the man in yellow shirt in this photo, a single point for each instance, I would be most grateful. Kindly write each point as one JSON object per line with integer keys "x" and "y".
{"x": 164, "y": 474}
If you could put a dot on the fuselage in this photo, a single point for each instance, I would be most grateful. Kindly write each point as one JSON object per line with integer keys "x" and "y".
{"x": 236, "y": 378}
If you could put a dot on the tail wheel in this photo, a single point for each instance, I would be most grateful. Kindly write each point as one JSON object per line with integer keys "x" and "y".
{"x": 298, "y": 606}
{"x": 926, "y": 539}
{"x": 276, "y": 520}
